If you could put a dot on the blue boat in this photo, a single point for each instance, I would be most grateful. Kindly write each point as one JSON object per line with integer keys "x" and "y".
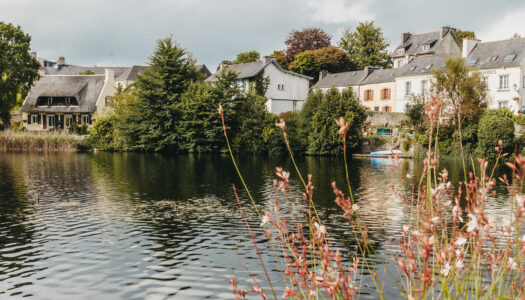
{"x": 386, "y": 152}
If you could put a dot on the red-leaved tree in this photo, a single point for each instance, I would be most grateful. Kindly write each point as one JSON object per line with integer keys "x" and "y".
{"x": 302, "y": 40}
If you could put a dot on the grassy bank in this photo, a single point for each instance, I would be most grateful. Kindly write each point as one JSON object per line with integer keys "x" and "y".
{"x": 40, "y": 141}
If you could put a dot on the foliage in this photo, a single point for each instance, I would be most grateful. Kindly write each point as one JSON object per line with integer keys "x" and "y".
{"x": 519, "y": 119}
{"x": 101, "y": 133}
{"x": 464, "y": 34}
{"x": 415, "y": 113}
{"x": 366, "y": 46}
{"x": 259, "y": 84}
{"x": 155, "y": 120}
{"x": 54, "y": 141}
{"x": 495, "y": 125}
{"x": 464, "y": 90}
{"x": 18, "y": 69}
{"x": 306, "y": 39}
{"x": 86, "y": 72}
{"x": 331, "y": 59}
{"x": 279, "y": 58}
{"x": 247, "y": 57}
{"x": 324, "y": 139}
{"x": 516, "y": 36}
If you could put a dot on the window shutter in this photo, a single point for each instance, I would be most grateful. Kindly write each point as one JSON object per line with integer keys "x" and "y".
{"x": 371, "y": 94}
{"x": 28, "y": 118}
{"x": 39, "y": 118}
{"x": 89, "y": 119}
{"x": 45, "y": 121}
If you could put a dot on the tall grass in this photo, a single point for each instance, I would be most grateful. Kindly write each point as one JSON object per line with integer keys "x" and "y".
{"x": 449, "y": 248}
{"x": 40, "y": 141}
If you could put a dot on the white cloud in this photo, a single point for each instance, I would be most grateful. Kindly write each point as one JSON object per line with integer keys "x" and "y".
{"x": 504, "y": 27}
{"x": 337, "y": 11}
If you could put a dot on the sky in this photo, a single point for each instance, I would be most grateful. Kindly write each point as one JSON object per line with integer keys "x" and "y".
{"x": 124, "y": 32}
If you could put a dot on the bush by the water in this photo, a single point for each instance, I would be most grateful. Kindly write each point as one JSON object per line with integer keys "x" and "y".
{"x": 495, "y": 125}
{"x": 39, "y": 141}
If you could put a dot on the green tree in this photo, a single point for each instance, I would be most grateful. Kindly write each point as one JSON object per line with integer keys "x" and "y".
{"x": 279, "y": 58}
{"x": 18, "y": 69}
{"x": 331, "y": 59}
{"x": 415, "y": 111}
{"x": 464, "y": 34}
{"x": 495, "y": 125}
{"x": 247, "y": 57}
{"x": 366, "y": 46}
{"x": 324, "y": 138}
{"x": 464, "y": 90}
{"x": 157, "y": 116}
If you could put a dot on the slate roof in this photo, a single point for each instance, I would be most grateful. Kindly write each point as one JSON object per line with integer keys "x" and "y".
{"x": 500, "y": 50}
{"x": 249, "y": 70}
{"x": 414, "y": 44}
{"x": 85, "y": 88}
{"x": 421, "y": 65}
{"x": 381, "y": 76}
{"x": 343, "y": 79}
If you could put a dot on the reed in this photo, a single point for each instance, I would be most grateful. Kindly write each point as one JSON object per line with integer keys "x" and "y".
{"x": 40, "y": 141}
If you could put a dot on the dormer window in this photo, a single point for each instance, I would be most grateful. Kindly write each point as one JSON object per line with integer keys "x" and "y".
{"x": 50, "y": 101}
{"x": 425, "y": 48}
{"x": 400, "y": 51}
{"x": 56, "y": 101}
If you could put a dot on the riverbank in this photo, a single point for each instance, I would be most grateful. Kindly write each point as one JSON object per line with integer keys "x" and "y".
{"x": 41, "y": 141}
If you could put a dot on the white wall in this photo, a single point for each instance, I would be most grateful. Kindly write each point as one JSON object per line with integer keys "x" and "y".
{"x": 497, "y": 96}
{"x": 279, "y": 106}
{"x": 416, "y": 81}
{"x": 295, "y": 87}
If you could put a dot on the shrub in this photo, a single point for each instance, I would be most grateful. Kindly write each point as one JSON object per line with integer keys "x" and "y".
{"x": 495, "y": 125}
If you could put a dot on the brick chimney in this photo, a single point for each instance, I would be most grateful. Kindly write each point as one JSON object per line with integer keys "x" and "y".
{"x": 405, "y": 36}
{"x": 61, "y": 61}
{"x": 446, "y": 29}
{"x": 468, "y": 45}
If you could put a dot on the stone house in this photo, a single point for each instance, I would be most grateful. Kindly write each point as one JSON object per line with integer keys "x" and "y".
{"x": 344, "y": 80}
{"x": 378, "y": 90}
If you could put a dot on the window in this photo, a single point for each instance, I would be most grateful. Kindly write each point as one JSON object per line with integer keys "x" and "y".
{"x": 367, "y": 108}
{"x": 510, "y": 57}
{"x": 400, "y": 51}
{"x": 369, "y": 95}
{"x": 280, "y": 87}
{"x": 387, "y": 108}
{"x": 523, "y": 81}
{"x": 492, "y": 58}
{"x": 412, "y": 68}
{"x": 68, "y": 120}
{"x": 376, "y": 108}
{"x": 503, "y": 104}
{"x": 34, "y": 119}
{"x": 50, "y": 120}
{"x": 400, "y": 63}
{"x": 68, "y": 100}
{"x": 294, "y": 103}
{"x": 408, "y": 88}
{"x": 473, "y": 61}
{"x": 385, "y": 94}
{"x": 423, "y": 87}
{"x": 85, "y": 119}
{"x": 428, "y": 67}
{"x": 425, "y": 48}
{"x": 504, "y": 82}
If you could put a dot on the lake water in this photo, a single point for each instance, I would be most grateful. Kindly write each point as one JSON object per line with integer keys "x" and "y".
{"x": 146, "y": 226}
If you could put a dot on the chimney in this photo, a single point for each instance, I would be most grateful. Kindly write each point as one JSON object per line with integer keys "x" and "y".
{"x": 446, "y": 29}
{"x": 323, "y": 74}
{"x": 33, "y": 54}
{"x": 223, "y": 65}
{"x": 468, "y": 45}
{"x": 405, "y": 36}
{"x": 370, "y": 69}
{"x": 268, "y": 58}
{"x": 61, "y": 61}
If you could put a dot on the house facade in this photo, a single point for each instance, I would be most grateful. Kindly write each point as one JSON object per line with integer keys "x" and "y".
{"x": 378, "y": 90}
{"x": 287, "y": 90}
{"x": 351, "y": 80}
{"x": 440, "y": 43}
{"x": 61, "y": 101}
{"x": 501, "y": 64}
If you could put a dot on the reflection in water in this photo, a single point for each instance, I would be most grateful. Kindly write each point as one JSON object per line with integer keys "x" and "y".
{"x": 134, "y": 226}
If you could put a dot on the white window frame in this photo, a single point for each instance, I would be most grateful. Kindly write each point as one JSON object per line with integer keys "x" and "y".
{"x": 66, "y": 119}
{"x": 85, "y": 119}
{"x": 408, "y": 88}
{"x": 504, "y": 84}
{"x": 34, "y": 118}
{"x": 503, "y": 104}
{"x": 50, "y": 121}
{"x": 423, "y": 87}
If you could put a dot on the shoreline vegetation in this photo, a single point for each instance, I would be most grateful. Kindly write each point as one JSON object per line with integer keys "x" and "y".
{"x": 41, "y": 142}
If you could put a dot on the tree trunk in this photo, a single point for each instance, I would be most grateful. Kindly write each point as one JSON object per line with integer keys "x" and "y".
{"x": 5, "y": 117}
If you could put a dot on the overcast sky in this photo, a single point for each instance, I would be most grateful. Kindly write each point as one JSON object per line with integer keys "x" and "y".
{"x": 123, "y": 32}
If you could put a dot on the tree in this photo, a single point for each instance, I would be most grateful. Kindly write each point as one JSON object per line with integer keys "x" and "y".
{"x": 366, "y": 46}
{"x": 464, "y": 34}
{"x": 324, "y": 138}
{"x": 495, "y": 125}
{"x": 279, "y": 58}
{"x": 247, "y": 57}
{"x": 331, "y": 59}
{"x": 18, "y": 69}
{"x": 516, "y": 36}
{"x": 87, "y": 72}
{"x": 159, "y": 88}
{"x": 463, "y": 89}
{"x": 415, "y": 112}
{"x": 301, "y": 40}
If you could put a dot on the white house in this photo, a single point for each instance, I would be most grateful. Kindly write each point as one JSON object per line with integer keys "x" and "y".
{"x": 502, "y": 65}
{"x": 440, "y": 43}
{"x": 415, "y": 79}
{"x": 287, "y": 90}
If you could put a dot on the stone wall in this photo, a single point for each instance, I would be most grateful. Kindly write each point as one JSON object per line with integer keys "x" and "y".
{"x": 382, "y": 118}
